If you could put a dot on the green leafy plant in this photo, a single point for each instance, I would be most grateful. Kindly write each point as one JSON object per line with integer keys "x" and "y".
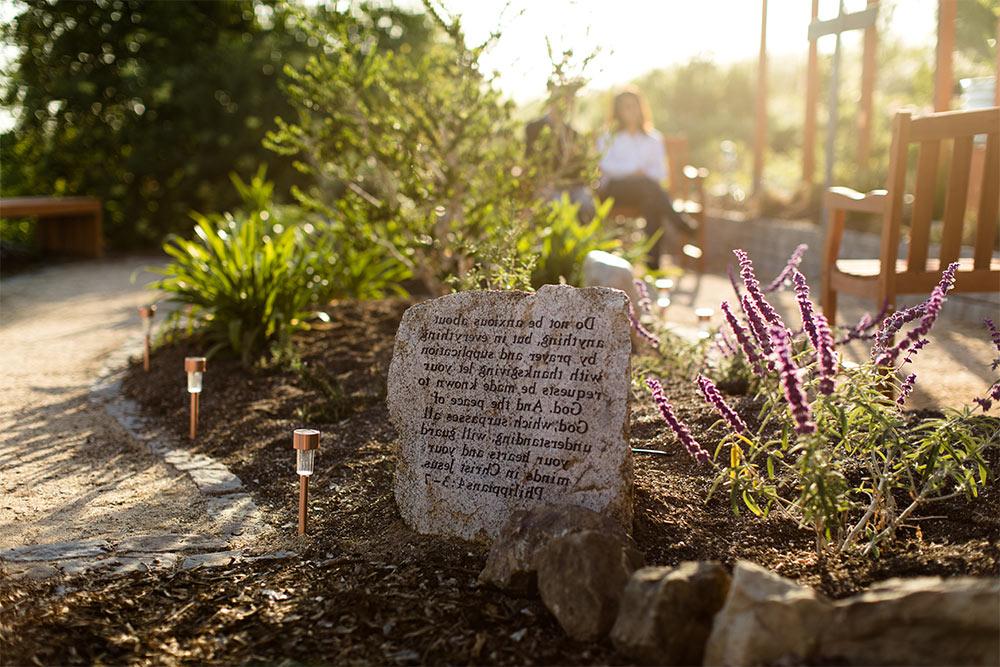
{"x": 251, "y": 278}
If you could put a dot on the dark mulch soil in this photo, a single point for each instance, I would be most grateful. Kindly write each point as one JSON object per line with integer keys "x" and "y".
{"x": 366, "y": 588}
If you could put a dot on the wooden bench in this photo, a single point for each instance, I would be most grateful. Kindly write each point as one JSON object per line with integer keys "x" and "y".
{"x": 884, "y": 278}
{"x": 686, "y": 185}
{"x": 66, "y": 225}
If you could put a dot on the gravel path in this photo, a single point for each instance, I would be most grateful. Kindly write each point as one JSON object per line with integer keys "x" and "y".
{"x": 68, "y": 471}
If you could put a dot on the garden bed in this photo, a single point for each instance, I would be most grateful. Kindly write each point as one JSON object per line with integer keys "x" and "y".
{"x": 368, "y": 589}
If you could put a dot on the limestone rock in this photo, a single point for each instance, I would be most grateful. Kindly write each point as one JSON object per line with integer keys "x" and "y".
{"x": 766, "y": 619}
{"x": 581, "y": 577}
{"x": 602, "y": 269}
{"x": 511, "y": 561}
{"x": 919, "y": 621}
{"x": 508, "y": 400}
{"x": 666, "y": 612}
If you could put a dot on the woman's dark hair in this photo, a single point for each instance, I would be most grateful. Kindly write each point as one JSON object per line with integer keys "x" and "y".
{"x": 646, "y": 122}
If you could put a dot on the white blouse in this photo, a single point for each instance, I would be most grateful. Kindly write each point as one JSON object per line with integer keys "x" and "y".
{"x": 624, "y": 154}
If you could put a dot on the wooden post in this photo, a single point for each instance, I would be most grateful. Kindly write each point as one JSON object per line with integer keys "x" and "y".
{"x": 812, "y": 96}
{"x": 944, "y": 76}
{"x": 833, "y": 109}
{"x": 303, "y": 502}
{"x": 194, "y": 415}
{"x": 760, "y": 127}
{"x": 865, "y": 117}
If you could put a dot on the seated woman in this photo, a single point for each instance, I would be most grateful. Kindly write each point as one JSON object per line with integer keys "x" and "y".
{"x": 633, "y": 166}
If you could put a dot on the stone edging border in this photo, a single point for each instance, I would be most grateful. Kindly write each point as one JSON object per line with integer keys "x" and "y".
{"x": 235, "y": 512}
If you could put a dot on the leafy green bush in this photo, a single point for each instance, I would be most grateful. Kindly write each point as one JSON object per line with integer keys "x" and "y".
{"x": 561, "y": 243}
{"x": 252, "y": 278}
{"x": 414, "y": 150}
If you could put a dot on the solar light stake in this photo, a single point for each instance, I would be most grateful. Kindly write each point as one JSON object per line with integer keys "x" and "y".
{"x": 305, "y": 441}
{"x": 704, "y": 316}
{"x": 146, "y": 313}
{"x": 195, "y": 368}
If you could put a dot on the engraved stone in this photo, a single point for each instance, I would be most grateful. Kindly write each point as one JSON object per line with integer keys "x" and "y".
{"x": 511, "y": 400}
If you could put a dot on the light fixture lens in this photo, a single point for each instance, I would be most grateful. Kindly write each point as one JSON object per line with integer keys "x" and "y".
{"x": 194, "y": 382}
{"x": 305, "y": 459}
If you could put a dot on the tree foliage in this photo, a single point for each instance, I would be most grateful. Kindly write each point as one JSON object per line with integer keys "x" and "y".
{"x": 414, "y": 150}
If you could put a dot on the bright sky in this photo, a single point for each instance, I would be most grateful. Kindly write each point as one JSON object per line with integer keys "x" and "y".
{"x": 635, "y": 36}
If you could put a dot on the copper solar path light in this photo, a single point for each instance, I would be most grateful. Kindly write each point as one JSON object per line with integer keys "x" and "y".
{"x": 195, "y": 368}
{"x": 146, "y": 313}
{"x": 306, "y": 442}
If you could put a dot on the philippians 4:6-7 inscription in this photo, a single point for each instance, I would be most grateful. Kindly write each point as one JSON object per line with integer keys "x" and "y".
{"x": 507, "y": 400}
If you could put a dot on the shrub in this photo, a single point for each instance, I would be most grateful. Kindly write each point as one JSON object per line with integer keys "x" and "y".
{"x": 419, "y": 144}
{"x": 832, "y": 445}
{"x": 252, "y": 278}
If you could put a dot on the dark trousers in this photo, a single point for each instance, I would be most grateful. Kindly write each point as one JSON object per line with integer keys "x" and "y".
{"x": 653, "y": 202}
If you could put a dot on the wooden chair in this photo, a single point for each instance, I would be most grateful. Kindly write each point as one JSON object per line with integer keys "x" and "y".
{"x": 66, "y": 225}
{"x": 884, "y": 278}
{"x": 686, "y": 185}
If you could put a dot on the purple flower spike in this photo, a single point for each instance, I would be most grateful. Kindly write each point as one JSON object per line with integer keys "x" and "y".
{"x": 986, "y": 402}
{"x": 742, "y": 337}
{"x": 644, "y": 300}
{"x": 892, "y": 325}
{"x": 712, "y": 395}
{"x": 905, "y": 388}
{"x": 931, "y": 309}
{"x": 826, "y": 355}
{"x": 995, "y": 337}
{"x": 756, "y": 323}
{"x": 806, "y": 308}
{"x": 790, "y": 381}
{"x": 643, "y": 332}
{"x": 753, "y": 287}
{"x": 676, "y": 425}
{"x": 791, "y": 266}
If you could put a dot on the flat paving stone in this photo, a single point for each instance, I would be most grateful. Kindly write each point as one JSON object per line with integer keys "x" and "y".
{"x": 170, "y": 542}
{"x": 215, "y": 481}
{"x": 57, "y": 550}
{"x": 215, "y": 559}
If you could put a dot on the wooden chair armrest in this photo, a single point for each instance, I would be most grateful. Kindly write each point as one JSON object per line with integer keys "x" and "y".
{"x": 846, "y": 199}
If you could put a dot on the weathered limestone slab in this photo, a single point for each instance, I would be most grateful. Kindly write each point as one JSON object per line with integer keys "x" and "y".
{"x": 57, "y": 550}
{"x": 169, "y": 542}
{"x": 511, "y": 400}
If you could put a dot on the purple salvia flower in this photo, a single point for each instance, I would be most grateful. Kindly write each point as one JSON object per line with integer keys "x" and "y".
{"x": 826, "y": 355}
{"x": 986, "y": 402}
{"x": 735, "y": 283}
{"x": 892, "y": 325}
{"x": 791, "y": 266}
{"x": 641, "y": 330}
{"x": 932, "y": 308}
{"x": 712, "y": 395}
{"x": 756, "y": 323}
{"x": 994, "y": 332}
{"x": 995, "y": 337}
{"x": 676, "y": 425}
{"x": 905, "y": 388}
{"x": 724, "y": 344}
{"x": 644, "y": 300}
{"x": 790, "y": 381}
{"x": 753, "y": 287}
{"x": 861, "y": 331}
{"x": 806, "y": 308}
{"x": 742, "y": 337}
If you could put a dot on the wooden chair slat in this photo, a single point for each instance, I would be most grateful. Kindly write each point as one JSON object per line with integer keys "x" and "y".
{"x": 885, "y": 278}
{"x": 989, "y": 204}
{"x": 952, "y": 124}
{"x": 923, "y": 205}
{"x": 955, "y": 202}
